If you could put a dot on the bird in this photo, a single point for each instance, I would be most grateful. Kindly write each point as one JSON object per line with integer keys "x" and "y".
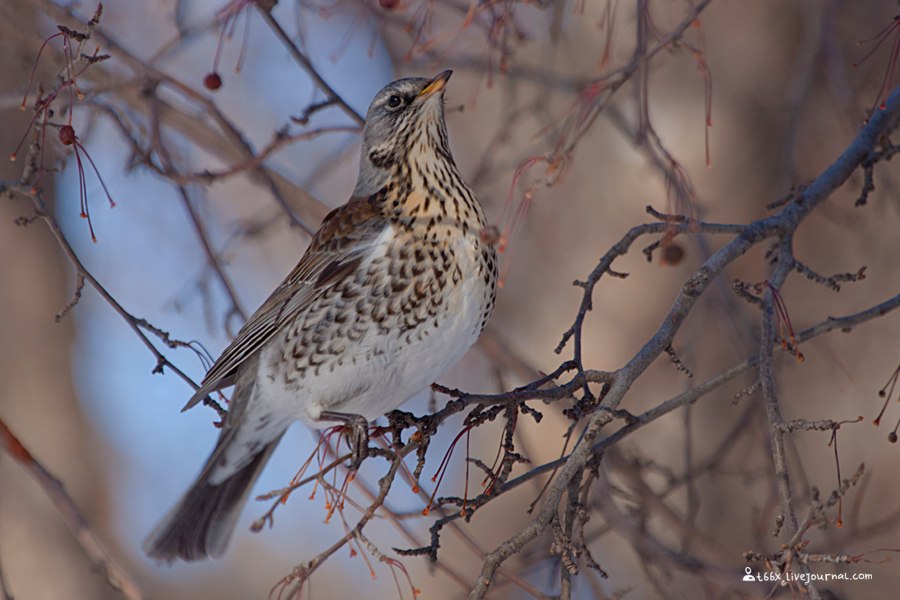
{"x": 394, "y": 287}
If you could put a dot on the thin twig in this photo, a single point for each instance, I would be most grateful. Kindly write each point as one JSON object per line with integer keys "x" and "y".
{"x": 116, "y": 575}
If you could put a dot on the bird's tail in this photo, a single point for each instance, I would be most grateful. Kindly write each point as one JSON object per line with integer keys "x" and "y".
{"x": 202, "y": 522}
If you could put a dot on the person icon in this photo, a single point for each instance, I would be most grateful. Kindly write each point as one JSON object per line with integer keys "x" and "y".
{"x": 747, "y": 574}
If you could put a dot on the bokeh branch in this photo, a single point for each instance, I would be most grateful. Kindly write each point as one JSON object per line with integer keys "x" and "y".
{"x": 115, "y": 574}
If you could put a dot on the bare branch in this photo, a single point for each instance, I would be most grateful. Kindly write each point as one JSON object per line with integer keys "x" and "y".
{"x": 117, "y": 577}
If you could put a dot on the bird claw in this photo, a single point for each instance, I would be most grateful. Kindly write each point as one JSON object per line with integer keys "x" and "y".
{"x": 357, "y": 435}
{"x": 358, "y": 440}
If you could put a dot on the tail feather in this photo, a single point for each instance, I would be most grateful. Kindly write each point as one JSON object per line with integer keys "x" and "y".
{"x": 202, "y": 522}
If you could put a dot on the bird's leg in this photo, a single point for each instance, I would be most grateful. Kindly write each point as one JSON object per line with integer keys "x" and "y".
{"x": 358, "y": 436}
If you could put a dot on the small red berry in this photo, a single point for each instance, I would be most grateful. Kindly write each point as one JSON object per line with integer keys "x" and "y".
{"x": 212, "y": 81}
{"x": 672, "y": 254}
{"x": 490, "y": 235}
{"x": 389, "y": 4}
{"x": 67, "y": 135}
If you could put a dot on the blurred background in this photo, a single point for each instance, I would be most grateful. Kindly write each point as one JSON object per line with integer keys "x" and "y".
{"x": 779, "y": 82}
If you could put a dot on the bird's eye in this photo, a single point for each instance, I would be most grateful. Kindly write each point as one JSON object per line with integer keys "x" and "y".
{"x": 394, "y": 102}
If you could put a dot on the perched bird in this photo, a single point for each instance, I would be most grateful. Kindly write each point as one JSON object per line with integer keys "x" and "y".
{"x": 395, "y": 286}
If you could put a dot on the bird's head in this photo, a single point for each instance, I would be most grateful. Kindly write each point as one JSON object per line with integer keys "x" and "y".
{"x": 406, "y": 116}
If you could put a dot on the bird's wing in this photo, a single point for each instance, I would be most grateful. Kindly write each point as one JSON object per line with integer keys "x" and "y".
{"x": 337, "y": 249}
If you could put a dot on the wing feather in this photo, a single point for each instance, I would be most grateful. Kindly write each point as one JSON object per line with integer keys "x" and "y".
{"x": 336, "y": 250}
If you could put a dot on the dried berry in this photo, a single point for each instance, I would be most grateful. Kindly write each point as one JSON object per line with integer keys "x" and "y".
{"x": 212, "y": 81}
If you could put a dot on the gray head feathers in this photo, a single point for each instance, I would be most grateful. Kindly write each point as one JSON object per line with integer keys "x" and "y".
{"x": 401, "y": 113}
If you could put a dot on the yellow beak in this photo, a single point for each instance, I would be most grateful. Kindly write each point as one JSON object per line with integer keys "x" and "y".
{"x": 436, "y": 85}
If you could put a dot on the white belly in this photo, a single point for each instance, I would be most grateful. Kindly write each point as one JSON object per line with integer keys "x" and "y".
{"x": 382, "y": 370}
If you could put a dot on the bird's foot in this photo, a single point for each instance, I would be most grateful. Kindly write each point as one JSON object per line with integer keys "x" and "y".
{"x": 357, "y": 435}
